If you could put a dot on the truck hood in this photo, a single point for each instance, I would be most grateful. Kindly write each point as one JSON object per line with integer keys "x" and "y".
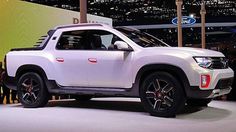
{"x": 186, "y": 51}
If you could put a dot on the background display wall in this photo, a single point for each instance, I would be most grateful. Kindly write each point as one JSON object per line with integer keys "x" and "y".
{"x": 22, "y": 23}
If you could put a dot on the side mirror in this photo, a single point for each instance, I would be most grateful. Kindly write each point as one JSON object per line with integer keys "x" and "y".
{"x": 121, "y": 45}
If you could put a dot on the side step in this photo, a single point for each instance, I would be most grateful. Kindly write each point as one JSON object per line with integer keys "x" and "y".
{"x": 97, "y": 91}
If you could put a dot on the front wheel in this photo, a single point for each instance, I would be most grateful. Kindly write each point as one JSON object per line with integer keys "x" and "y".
{"x": 162, "y": 95}
{"x": 31, "y": 90}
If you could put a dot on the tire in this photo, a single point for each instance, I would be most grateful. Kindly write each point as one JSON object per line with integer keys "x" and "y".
{"x": 198, "y": 102}
{"x": 83, "y": 97}
{"x": 31, "y": 90}
{"x": 162, "y": 95}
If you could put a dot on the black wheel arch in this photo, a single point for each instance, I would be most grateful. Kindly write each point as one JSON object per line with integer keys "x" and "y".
{"x": 173, "y": 70}
{"x": 31, "y": 68}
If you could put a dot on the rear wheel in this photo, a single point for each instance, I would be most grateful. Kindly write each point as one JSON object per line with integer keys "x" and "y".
{"x": 162, "y": 95}
{"x": 198, "y": 102}
{"x": 31, "y": 90}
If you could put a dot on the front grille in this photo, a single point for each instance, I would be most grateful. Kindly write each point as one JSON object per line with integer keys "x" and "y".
{"x": 224, "y": 83}
{"x": 219, "y": 63}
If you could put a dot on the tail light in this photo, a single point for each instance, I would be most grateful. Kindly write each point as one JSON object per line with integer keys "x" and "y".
{"x": 205, "y": 81}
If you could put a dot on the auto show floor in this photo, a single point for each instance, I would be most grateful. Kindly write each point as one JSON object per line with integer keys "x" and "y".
{"x": 114, "y": 115}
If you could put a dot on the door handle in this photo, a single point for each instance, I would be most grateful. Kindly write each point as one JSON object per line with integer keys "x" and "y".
{"x": 59, "y": 59}
{"x": 92, "y": 60}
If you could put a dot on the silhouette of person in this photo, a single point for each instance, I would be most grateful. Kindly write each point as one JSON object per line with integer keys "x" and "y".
{"x": 13, "y": 95}
{"x": 1, "y": 83}
{"x": 6, "y": 91}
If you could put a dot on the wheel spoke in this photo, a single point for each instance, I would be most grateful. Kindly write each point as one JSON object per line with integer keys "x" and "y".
{"x": 25, "y": 81}
{"x": 26, "y": 96}
{"x": 34, "y": 96}
{"x": 150, "y": 94}
{"x": 156, "y": 85}
{"x": 25, "y": 85}
{"x": 157, "y": 104}
{"x": 168, "y": 101}
{"x": 167, "y": 88}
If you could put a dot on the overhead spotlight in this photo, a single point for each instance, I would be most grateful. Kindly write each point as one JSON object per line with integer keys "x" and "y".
{"x": 191, "y": 15}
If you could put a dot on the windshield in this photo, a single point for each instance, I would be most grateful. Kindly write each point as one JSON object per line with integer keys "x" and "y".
{"x": 141, "y": 38}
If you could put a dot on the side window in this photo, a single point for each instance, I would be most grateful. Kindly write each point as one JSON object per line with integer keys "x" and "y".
{"x": 87, "y": 40}
{"x": 102, "y": 40}
{"x": 106, "y": 40}
{"x": 72, "y": 40}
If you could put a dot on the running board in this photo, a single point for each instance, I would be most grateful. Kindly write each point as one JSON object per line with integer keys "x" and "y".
{"x": 96, "y": 91}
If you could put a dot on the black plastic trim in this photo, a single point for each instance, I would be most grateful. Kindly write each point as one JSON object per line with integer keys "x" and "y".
{"x": 27, "y": 49}
{"x": 31, "y": 68}
{"x": 11, "y": 82}
{"x": 224, "y": 83}
{"x": 196, "y": 93}
{"x": 174, "y": 70}
{"x": 53, "y": 87}
{"x": 50, "y": 34}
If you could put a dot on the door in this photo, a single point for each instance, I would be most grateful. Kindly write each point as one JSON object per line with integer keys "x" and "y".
{"x": 88, "y": 58}
{"x": 107, "y": 66}
{"x": 110, "y": 69}
{"x": 70, "y": 58}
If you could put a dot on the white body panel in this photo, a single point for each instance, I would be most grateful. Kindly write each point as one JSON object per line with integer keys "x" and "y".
{"x": 116, "y": 69}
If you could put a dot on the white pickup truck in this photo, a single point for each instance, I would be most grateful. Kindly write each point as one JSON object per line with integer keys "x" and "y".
{"x": 94, "y": 60}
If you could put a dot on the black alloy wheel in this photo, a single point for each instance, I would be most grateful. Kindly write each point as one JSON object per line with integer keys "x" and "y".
{"x": 31, "y": 90}
{"x": 162, "y": 95}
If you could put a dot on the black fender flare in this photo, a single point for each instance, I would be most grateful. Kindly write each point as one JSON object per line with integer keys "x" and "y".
{"x": 31, "y": 68}
{"x": 174, "y": 70}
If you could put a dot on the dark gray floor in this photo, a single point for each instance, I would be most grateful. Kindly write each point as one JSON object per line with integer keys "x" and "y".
{"x": 114, "y": 115}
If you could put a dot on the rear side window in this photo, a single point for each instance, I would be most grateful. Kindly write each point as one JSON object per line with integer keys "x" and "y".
{"x": 72, "y": 40}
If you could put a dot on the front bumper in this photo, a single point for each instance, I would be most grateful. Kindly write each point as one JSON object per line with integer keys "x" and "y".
{"x": 223, "y": 87}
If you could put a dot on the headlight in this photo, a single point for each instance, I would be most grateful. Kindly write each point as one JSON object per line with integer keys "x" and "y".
{"x": 204, "y": 62}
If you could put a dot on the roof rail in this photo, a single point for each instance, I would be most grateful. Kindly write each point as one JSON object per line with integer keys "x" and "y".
{"x": 79, "y": 25}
